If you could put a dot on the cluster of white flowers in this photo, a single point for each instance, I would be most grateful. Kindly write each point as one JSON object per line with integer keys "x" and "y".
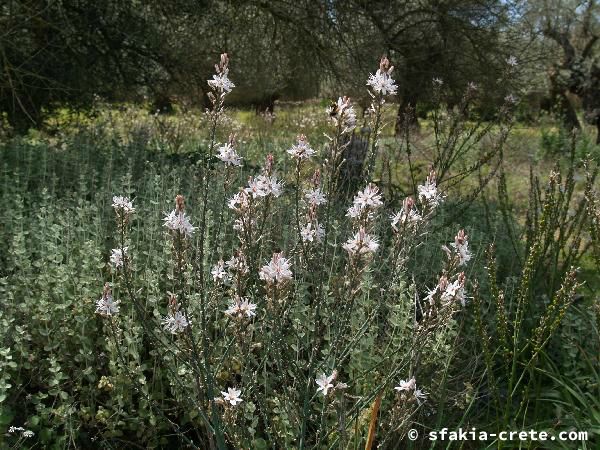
{"x": 228, "y": 155}
{"x": 410, "y": 386}
{"x": 312, "y": 233}
{"x": 107, "y": 305}
{"x": 365, "y": 201}
{"x": 315, "y": 197}
{"x": 361, "y": 244}
{"x": 241, "y": 307}
{"x": 512, "y": 61}
{"x": 449, "y": 292}
{"x": 219, "y": 273}
{"x": 25, "y": 433}
{"x": 301, "y": 150}
{"x": 175, "y": 322}
{"x": 117, "y": 256}
{"x": 382, "y": 82}
{"x": 343, "y": 115}
{"x": 429, "y": 193}
{"x": 123, "y": 204}
{"x": 408, "y": 216}
{"x": 277, "y": 270}
{"x": 239, "y": 202}
{"x": 220, "y": 80}
{"x": 179, "y": 222}
{"x": 455, "y": 291}
{"x": 461, "y": 249}
{"x": 264, "y": 185}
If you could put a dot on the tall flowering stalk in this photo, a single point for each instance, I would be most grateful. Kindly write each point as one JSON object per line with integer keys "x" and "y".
{"x": 381, "y": 84}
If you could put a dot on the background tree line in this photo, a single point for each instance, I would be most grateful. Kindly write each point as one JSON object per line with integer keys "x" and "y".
{"x": 64, "y": 52}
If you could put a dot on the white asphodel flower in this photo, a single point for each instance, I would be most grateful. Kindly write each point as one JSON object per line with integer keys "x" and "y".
{"x": 123, "y": 203}
{"x": 315, "y": 197}
{"x": 312, "y": 233}
{"x": 361, "y": 244}
{"x": 221, "y": 82}
{"x": 325, "y": 382}
{"x": 406, "y": 385}
{"x": 301, "y": 150}
{"x": 228, "y": 155}
{"x": 117, "y": 256}
{"x": 369, "y": 197}
{"x": 175, "y": 322}
{"x": 232, "y": 396}
{"x": 178, "y": 221}
{"x": 343, "y": 114}
{"x": 382, "y": 83}
{"x": 107, "y": 305}
{"x": 419, "y": 395}
{"x": 461, "y": 247}
{"x": 241, "y": 307}
{"x": 218, "y": 272}
{"x": 277, "y": 270}
{"x": 429, "y": 193}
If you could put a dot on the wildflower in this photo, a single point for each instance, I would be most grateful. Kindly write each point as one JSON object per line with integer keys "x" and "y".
{"x": 175, "y": 322}
{"x": 361, "y": 244}
{"x": 106, "y": 305}
{"x": 511, "y": 99}
{"x": 382, "y": 83}
{"x": 512, "y": 61}
{"x": 277, "y": 270}
{"x": 263, "y": 185}
{"x": 406, "y": 385}
{"x": 218, "y": 271}
{"x": 428, "y": 192}
{"x": 124, "y": 204}
{"x": 455, "y": 291}
{"x": 13, "y": 429}
{"x": 461, "y": 247}
{"x": 256, "y": 187}
{"x": 237, "y": 263}
{"x": 239, "y": 201}
{"x": 228, "y": 155}
{"x": 343, "y": 114}
{"x": 310, "y": 233}
{"x": 28, "y": 434}
{"x": 438, "y": 81}
{"x": 419, "y": 395}
{"x": 272, "y": 185}
{"x": 232, "y": 396}
{"x": 220, "y": 81}
{"x": 407, "y": 215}
{"x": 176, "y": 220}
{"x": 117, "y": 256}
{"x": 240, "y": 307}
{"x": 325, "y": 382}
{"x": 368, "y": 197}
{"x": 315, "y": 197}
{"x": 302, "y": 149}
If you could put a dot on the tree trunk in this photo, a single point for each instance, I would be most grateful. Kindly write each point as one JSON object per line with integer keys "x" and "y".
{"x": 407, "y": 115}
{"x": 562, "y": 103}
